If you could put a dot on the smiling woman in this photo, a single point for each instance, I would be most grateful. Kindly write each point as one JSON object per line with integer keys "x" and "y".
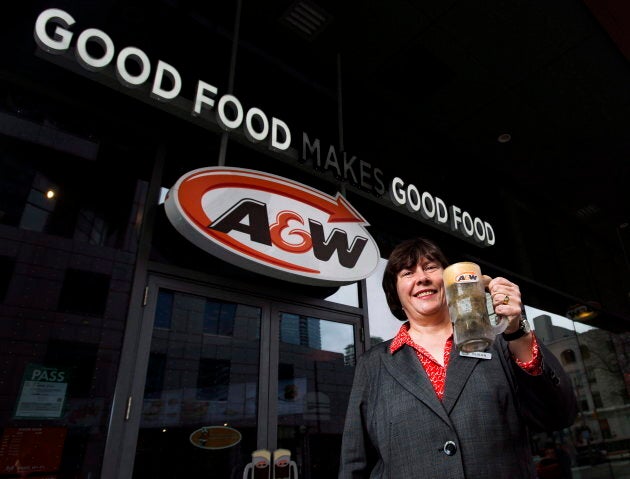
{"x": 447, "y": 411}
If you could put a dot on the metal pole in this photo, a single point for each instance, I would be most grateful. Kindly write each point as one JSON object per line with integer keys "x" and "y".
{"x": 621, "y": 243}
{"x": 342, "y": 186}
{"x": 230, "y": 88}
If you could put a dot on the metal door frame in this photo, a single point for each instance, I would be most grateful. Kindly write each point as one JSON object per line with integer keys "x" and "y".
{"x": 278, "y": 307}
{"x": 126, "y": 412}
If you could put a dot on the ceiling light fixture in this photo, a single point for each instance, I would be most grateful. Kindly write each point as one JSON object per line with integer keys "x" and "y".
{"x": 307, "y": 18}
{"x": 584, "y": 312}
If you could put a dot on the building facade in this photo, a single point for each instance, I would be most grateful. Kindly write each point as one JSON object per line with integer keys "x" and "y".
{"x": 127, "y": 349}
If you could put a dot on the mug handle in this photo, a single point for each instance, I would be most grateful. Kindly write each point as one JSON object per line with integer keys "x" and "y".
{"x": 503, "y": 321}
{"x": 501, "y": 325}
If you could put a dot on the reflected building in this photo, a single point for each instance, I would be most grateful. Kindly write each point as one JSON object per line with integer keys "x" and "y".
{"x": 301, "y": 330}
{"x": 592, "y": 360}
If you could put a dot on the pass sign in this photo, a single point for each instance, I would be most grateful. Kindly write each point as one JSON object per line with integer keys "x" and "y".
{"x": 43, "y": 393}
{"x": 272, "y": 225}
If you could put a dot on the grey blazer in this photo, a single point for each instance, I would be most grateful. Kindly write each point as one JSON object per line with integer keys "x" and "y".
{"x": 396, "y": 427}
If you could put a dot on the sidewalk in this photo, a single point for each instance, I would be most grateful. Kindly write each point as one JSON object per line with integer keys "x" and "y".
{"x": 609, "y": 470}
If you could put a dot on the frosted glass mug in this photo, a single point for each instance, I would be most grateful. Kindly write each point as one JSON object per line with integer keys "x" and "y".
{"x": 466, "y": 298}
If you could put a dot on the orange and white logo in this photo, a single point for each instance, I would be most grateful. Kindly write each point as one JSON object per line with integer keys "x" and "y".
{"x": 272, "y": 225}
{"x": 467, "y": 277}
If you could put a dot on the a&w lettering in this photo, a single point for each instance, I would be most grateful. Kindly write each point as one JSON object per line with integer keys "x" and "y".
{"x": 273, "y": 225}
{"x": 251, "y": 218}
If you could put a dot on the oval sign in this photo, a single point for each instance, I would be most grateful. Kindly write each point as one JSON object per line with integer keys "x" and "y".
{"x": 215, "y": 437}
{"x": 272, "y": 225}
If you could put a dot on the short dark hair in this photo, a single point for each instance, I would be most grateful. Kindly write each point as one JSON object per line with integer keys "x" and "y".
{"x": 407, "y": 254}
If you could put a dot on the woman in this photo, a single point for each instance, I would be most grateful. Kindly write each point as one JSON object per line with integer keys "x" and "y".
{"x": 420, "y": 410}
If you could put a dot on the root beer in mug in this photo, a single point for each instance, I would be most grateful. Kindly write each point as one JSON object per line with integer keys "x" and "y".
{"x": 466, "y": 298}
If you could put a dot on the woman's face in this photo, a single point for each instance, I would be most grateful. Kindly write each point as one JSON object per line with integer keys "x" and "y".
{"x": 421, "y": 289}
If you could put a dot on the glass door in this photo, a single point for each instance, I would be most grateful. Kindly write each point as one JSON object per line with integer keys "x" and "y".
{"x": 314, "y": 362}
{"x": 223, "y": 375}
{"x": 202, "y": 390}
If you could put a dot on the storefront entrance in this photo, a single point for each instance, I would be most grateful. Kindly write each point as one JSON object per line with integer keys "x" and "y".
{"x": 225, "y": 374}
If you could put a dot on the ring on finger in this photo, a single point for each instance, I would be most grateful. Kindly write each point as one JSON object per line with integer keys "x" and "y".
{"x": 506, "y": 300}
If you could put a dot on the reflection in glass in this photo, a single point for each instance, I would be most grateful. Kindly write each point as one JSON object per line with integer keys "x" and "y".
{"x": 348, "y": 295}
{"x": 201, "y": 386}
{"x": 598, "y": 442}
{"x": 315, "y": 371}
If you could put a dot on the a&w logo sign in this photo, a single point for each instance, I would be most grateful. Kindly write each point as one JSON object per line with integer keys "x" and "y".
{"x": 272, "y": 225}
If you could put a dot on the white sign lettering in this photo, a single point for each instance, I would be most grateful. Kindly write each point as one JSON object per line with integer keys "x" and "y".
{"x": 53, "y": 34}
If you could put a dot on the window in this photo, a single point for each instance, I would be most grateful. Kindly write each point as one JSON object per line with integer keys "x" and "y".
{"x": 604, "y": 427}
{"x": 155, "y": 375}
{"x": 90, "y": 228}
{"x": 567, "y": 356}
{"x": 40, "y": 204}
{"x": 164, "y": 309}
{"x": 286, "y": 371}
{"x": 213, "y": 379}
{"x": 218, "y": 318}
{"x": 7, "y": 266}
{"x": 84, "y": 292}
{"x": 79, "y": 358}
{"x": 300, "y": 330}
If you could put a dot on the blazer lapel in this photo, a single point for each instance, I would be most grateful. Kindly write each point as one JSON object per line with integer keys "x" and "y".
{"x": 406, "y": 368}
{"x": 459, "y": 370}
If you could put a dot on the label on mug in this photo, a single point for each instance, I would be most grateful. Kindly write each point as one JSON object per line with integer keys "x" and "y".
{"x": 462, "y": 272}
{"x": 467, "y": 277}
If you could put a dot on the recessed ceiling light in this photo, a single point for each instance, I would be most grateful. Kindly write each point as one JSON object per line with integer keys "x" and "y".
{"x": 588, "y": 211}
{"x": 306, "y": 18}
